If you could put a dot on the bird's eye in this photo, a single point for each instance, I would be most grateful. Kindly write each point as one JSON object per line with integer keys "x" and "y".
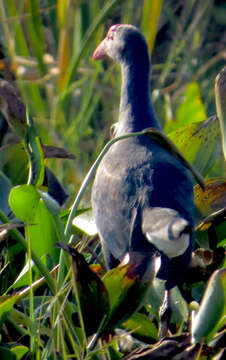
{"x": 110, "y": 36}
{"x": 111, "y": 31}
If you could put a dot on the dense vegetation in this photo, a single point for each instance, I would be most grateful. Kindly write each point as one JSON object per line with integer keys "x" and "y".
{"x": 48, "y": 309}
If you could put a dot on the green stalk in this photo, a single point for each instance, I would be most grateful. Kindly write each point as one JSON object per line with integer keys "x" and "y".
{"x": 88, "y": 37}
{"x": 220, "y": 98}
{"x": 31, "y": 297}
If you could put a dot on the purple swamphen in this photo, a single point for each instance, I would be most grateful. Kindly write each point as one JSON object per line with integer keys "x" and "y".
{"x": 142, "y": 196}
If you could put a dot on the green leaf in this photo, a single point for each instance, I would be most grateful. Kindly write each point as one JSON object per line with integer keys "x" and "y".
{"x": 28, "y": 205}
{"x": 210, "y": 200}
{"x": 19, "y": 351}
{"x": 179, "y": 306}
{"x": 140, "y": 326}
{"x": 150, "y": 19}
{"x": 192, "y": 108}
{"x": 86, "y": 223}
{"x": 24, "y": 201}
{"x": 14, "y": 163}
{"x": 128, "y": 286}
{"x": 211, "y": 314}
{"x": 51, "y": 204}
{"x": 33, "y": 147}
{"x": 7, "y": 303}
{"x": 199, "y": 143}
{"x": 220, "y": 98}
{"x": 6, "y": 354}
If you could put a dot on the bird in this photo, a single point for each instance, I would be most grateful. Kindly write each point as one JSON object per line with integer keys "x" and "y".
{"x": 142, "y": 196}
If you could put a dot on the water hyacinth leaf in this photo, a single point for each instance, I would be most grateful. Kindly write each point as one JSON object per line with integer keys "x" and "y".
{"x": 220, "y": 98}
{"x": 211, "y": 315}
{"x": 168, "y": 145}
{"x": 199, "y": 142}
{"x": 45, "y": 231}
{"x": 24, "y": 200}
{"x": 29, "y": 205}
{"x": 14, "y": 162}
{"x": 19, "y": 351}
{"x": 128, "y": 286}
{"x": 210, "y": 200}
{"x": 140, "y": 326}
{"x": 91, "y": 293}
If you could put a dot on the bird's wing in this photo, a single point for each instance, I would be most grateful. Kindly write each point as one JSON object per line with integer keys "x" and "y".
{"x": 166, "y": 230}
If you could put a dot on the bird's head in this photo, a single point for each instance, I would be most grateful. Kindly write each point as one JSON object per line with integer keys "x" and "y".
{"x": 123, "y": 43}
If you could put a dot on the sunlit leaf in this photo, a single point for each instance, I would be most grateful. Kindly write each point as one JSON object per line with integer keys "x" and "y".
{"x": 86, "y": 223}
{"x": 150, "y": 18}
{"x": 40, "y": 210}
{"x": 220, "y": 98}
{"x": 210, "y": 200}
{"x": 211, "y": 314}
{"x": 33, "y": 147}
{"x": 24, "y": 200}
{"x": 19, "y": 351}
{"x": 192, "y": 108}
{"x": 140, "y": 326}
{"x": 6, "y": 304}
{"x": 199, "y": 143}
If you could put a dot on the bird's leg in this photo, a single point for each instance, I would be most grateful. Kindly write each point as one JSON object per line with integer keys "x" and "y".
{"x": 165, "y": 313}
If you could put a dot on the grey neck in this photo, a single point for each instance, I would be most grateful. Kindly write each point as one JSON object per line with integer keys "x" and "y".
{"x": 136, "y": 110}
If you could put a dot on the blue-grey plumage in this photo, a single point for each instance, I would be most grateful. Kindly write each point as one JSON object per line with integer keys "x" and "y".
{"x": 142, "y": 196}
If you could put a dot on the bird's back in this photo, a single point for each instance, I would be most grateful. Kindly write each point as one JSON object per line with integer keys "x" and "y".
{"x": 136, "y": 174}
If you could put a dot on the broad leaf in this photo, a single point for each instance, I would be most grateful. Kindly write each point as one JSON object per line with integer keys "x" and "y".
{"x": 220, "y": 98}
{"x": 210, "y": 200}
{"x": 211, "y": 314}
{"x": 200, "y": 143}
{"x": 140, "y": 326}
{"x": 40, "y": 210}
